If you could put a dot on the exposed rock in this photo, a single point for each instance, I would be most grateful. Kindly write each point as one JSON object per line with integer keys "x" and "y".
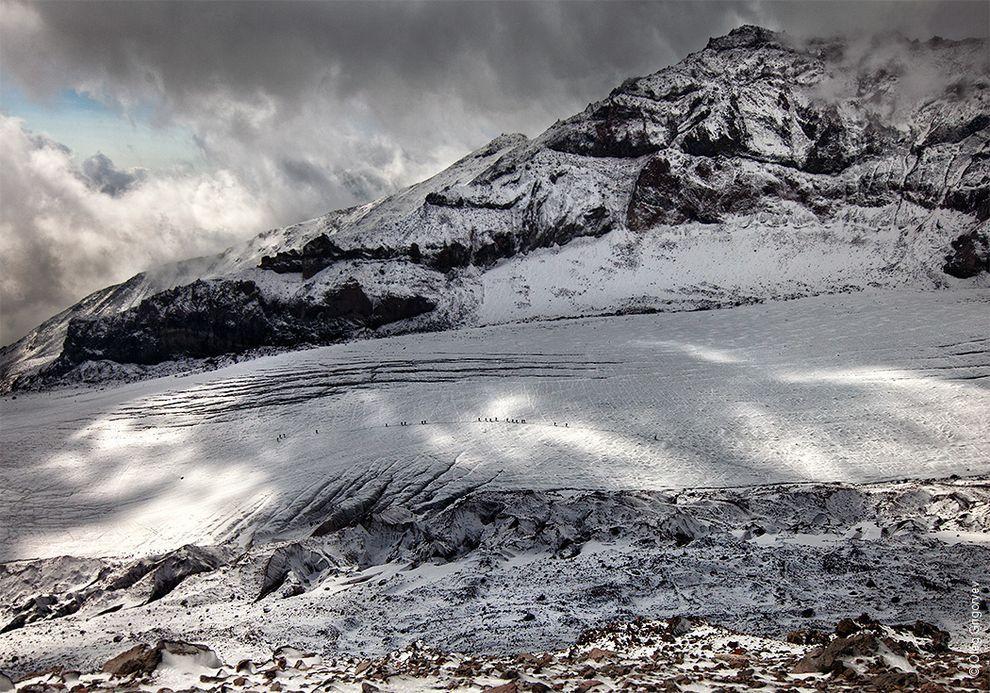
{"x": 510, "y": 687}
{"x": 807, "y": 637}
{"x": 826, "y": 659}
{"x": 143, "y": 659}
{"x": 292, "y": 560}
{"x": 934, "y": 638}
{"x": 615, "y": 127}
{"x": 846, "y": 627}
{"x": 318, "y": 254}
{"x": 597, "y": 654}
{"x": 44, "y": 607}
{"x": 140, "y": 659}
{"x": 179, "y": 565}
{"x": 970, "y": 256}
{"x": 749, "y": 36}
{"x": 895, "y": 680}
{"x": 209, "y": 318}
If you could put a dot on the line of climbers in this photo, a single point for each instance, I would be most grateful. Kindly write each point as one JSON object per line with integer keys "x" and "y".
{"x": 487, "y": 419}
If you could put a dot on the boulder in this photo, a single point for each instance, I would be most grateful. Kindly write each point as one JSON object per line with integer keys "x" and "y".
{"x": 144, "y": 659}
{"x": 828, "y": 659}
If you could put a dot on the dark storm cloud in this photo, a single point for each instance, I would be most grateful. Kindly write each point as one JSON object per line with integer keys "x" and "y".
{"x": 304, "y": 107}
{"x": 490, "y": 53}
{"x": 304, "y": 173}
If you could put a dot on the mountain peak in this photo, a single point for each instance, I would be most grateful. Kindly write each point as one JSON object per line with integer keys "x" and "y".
{"x": 748, "y": 36}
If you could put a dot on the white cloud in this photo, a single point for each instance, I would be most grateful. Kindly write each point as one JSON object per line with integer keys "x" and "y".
{"x": 62, "y": 238}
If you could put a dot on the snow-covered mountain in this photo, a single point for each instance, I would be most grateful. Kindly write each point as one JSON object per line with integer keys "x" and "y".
{"x": 759, "y": 167}
{"x": 771, "y": 468}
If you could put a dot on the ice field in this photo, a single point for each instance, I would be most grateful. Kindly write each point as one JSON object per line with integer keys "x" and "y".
{"x": 849, "y": 387}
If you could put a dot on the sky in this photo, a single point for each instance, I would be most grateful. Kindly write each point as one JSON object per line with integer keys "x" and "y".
{"x": 137, "y": 133}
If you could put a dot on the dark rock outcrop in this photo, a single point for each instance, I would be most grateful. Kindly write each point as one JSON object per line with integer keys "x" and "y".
{"x": 44, "y": 607}
{"x": 969, "y": 257}
{"x": 672, "y": 191}
{"x": 613, "y": 128}
{"x": 320, "y": 253}
{"x": 209, "y": 318}
{"x": 181, "y": 564}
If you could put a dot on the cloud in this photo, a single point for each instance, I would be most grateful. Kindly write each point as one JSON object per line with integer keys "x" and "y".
{"x": 62, "y": 236}
{"x": 300, "y": 108}
{"x": 108, "y": 179}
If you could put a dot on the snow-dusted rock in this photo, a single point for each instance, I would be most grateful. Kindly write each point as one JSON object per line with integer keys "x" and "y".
{"x": 875, "y": 154}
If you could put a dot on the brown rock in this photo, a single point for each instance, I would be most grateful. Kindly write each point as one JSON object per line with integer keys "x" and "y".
{"x": 735, "y": 661}
{"x": 807, "y": 637}
{"x": 826, "y": 659}
{"x": 846, "y": 627}
{"x": 140, "y": 659}
{"x": 893, "y": 680}
{"x": 938, "y": 637}
{"x": 596, "y": 654}
{"x": 510, "y": 687}
{"x": 587, "y": 685}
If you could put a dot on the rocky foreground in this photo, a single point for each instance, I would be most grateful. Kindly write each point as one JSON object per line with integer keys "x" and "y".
{"x": 672, "y": 655}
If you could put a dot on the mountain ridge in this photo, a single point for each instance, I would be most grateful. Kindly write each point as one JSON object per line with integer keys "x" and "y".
{"x": 802, "y": 156}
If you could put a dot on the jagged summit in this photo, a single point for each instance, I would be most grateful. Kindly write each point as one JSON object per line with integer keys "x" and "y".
{"x": 758, "y": 167}
{"x": 748, "y": 36}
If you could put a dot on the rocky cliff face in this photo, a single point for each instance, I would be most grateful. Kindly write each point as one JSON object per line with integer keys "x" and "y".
{"x": 877, "y": 153}
{"x": 209, "y": 318}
